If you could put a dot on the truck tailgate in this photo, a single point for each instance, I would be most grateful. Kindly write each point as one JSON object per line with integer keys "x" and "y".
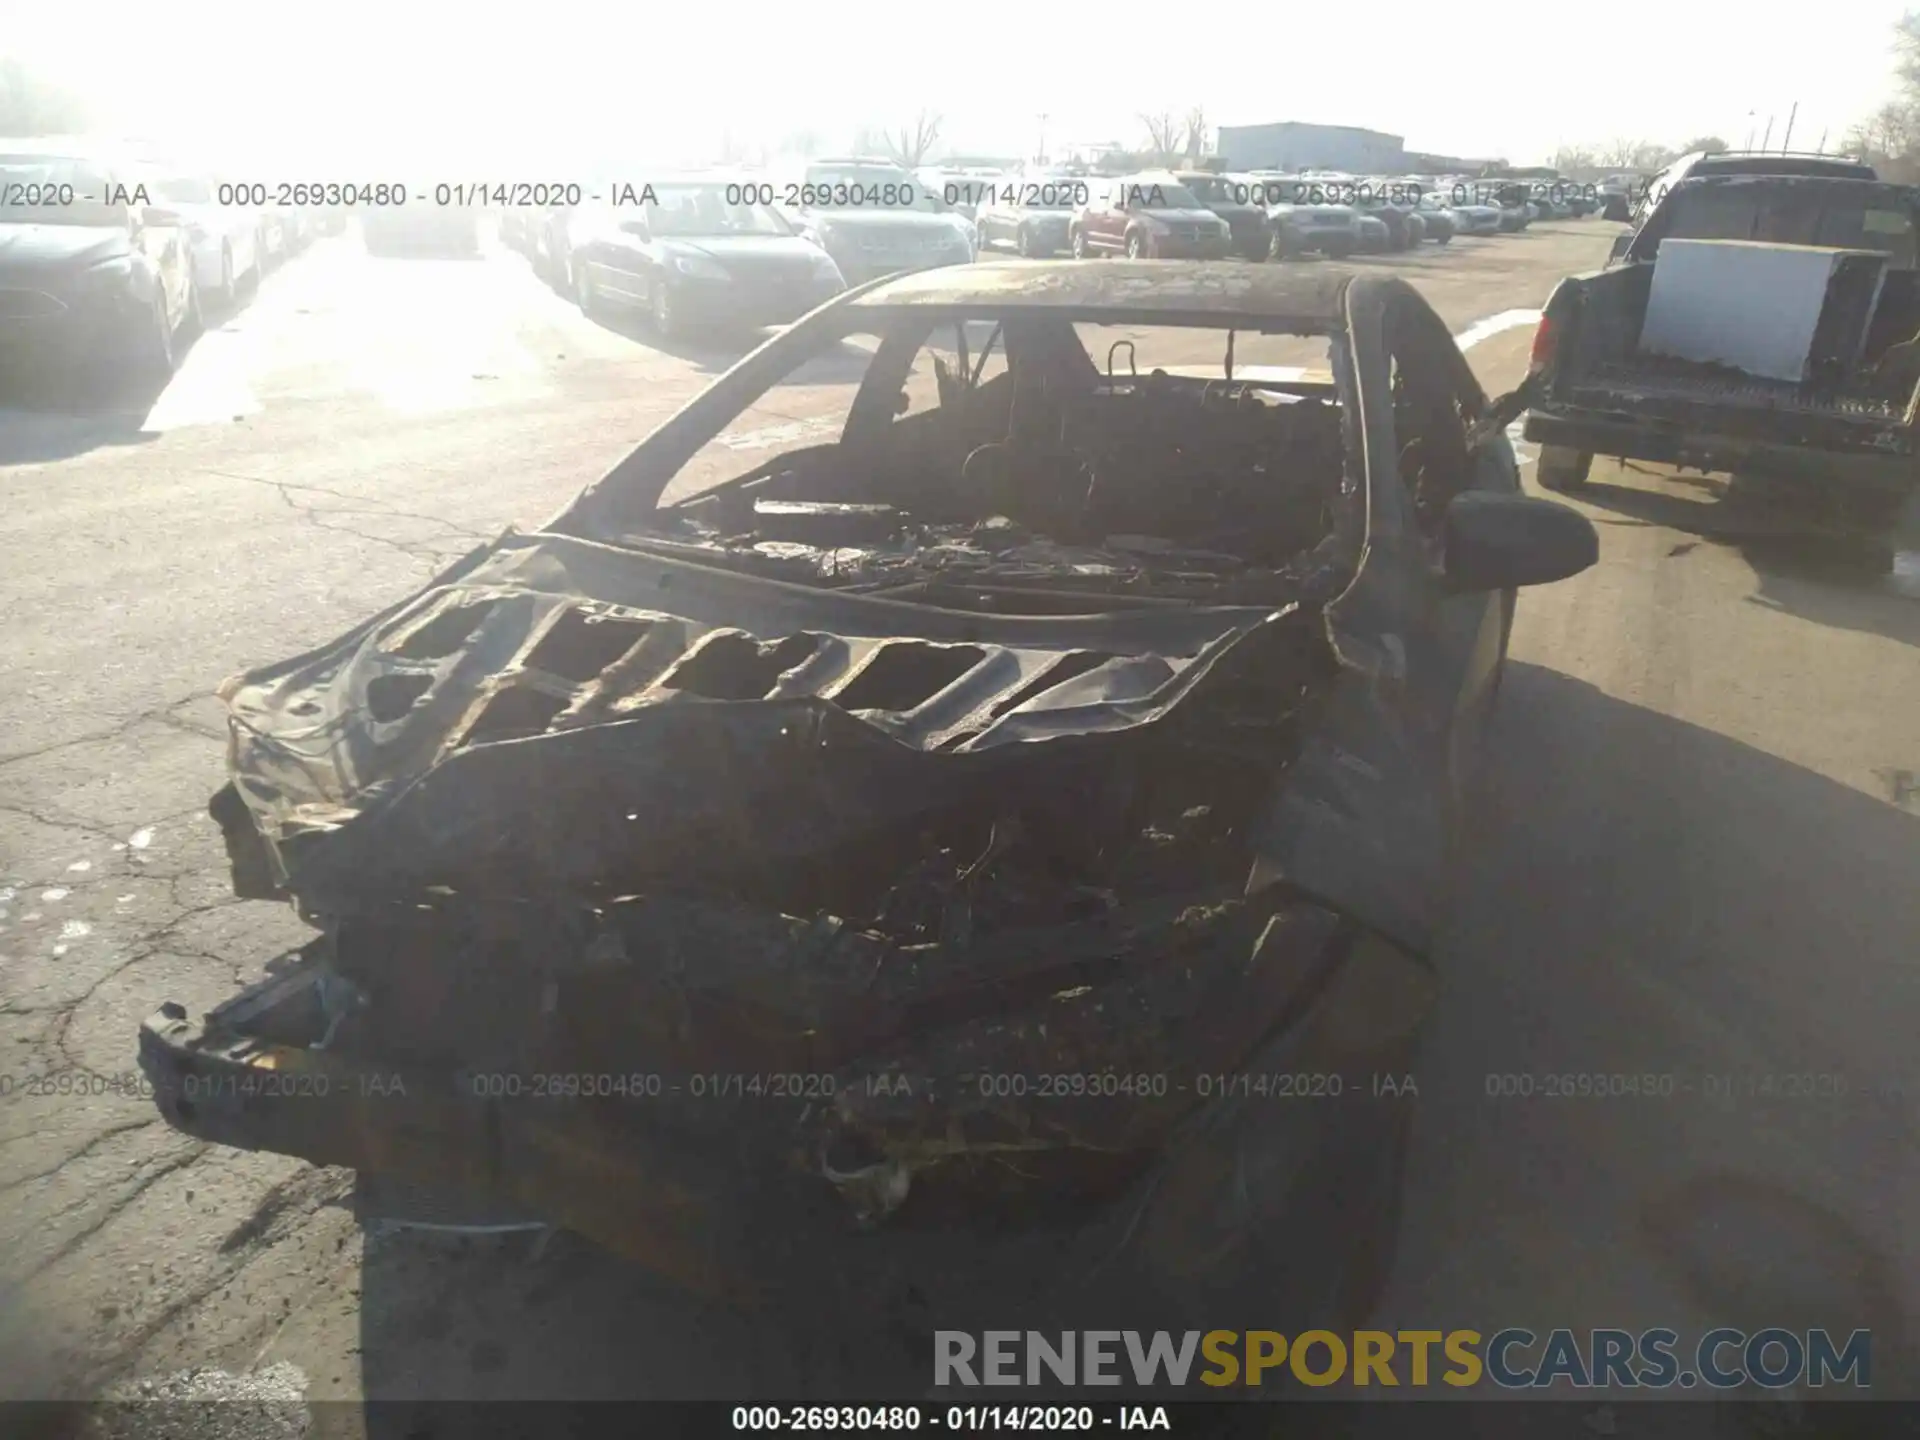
{"x": 1646, "y": 382}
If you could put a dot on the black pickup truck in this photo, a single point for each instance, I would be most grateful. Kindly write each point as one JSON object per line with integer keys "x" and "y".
{"x": 1840, "y": 446}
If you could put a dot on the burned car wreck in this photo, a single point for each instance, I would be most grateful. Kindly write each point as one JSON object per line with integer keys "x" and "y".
{"x": 889, "y": 864}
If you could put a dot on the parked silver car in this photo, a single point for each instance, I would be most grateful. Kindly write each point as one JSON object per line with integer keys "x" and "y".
{"x": 1300, "y": 228}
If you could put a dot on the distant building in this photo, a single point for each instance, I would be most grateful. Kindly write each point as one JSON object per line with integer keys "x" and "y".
{"x": 1419, "y": 164}
{"x": 1292, "y": 145}
{"x": 975, "y": 162}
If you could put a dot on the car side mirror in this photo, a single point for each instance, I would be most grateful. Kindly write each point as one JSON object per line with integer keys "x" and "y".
{"x": 1497, "y": 542}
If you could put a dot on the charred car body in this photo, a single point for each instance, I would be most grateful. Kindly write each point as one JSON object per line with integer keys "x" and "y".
{"x": 1077, "y": 723}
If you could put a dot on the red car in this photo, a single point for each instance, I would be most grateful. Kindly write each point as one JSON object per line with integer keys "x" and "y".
{"x": 1147, "y": 216}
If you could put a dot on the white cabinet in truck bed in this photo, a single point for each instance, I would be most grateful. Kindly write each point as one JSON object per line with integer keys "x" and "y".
{"x": 1759, "y": 307}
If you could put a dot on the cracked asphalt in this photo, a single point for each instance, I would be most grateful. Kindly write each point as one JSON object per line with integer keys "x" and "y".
{"x": 1701, "y": 844}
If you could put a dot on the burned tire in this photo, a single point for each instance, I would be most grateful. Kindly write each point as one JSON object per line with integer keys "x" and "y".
{"x": 1562, "y": 469}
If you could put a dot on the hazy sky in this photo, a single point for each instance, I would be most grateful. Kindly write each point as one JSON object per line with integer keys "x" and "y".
{"x": 358, "y": 84}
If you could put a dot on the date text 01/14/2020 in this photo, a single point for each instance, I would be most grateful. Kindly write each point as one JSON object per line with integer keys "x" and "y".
{"x": 898, "y": 1419}
{"x": 1298, "y": 1085}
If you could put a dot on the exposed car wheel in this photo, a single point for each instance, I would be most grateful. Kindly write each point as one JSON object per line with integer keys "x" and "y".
{"x": 1351, "y": 1207}
{"x": 193, "y": 322}
{"x": 1341, "y": 250}
{"x": 1562, "y": 468}
{"x": 1079, "y": 245}
{"x": 1136, "y": 246}
{"x": 666, "y": 323}
{"x": 583, "y": 292}
{"x": 1024, "y": 242}
{"x": 1446, "y": 239}
{"x": 223, "y": 296}
{"x": 1278, "y": 248}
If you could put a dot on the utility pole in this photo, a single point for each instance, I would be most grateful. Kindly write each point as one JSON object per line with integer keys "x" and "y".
{"x": 1749, "y": 144}
{"x": 1043, "y": 138}
{"x": 1786, "y": 142}
{"x": 1823, "y": 144}
{"x": 1768, "y": 137}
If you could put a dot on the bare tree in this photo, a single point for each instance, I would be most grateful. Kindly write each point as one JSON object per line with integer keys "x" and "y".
{"x": 1906, "y": 51}
{"x": 1890, "y": 136}
{"x": 911, "y": 145}
{"x": 1891, "y": 130}
{"x": 1711, "y": 144}
{"x": 804, "y": 142}
{"x": 868, "y": 140}
{"x": 1196, "y": 134}
{"x": 1889, "y": 139}
{"x": 1576, "y": 160}
{"x": 1618, "y": 154}
{"x": 1163, "y": 137}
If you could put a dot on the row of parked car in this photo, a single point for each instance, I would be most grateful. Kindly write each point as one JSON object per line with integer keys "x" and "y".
{"x": 107, "y": 255}
{"x": 1257, "y": 215}
{"x": 746, "y": 249}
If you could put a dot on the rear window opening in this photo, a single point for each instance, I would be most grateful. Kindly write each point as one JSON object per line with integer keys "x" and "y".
{"x": 906, "y": 674}
{"x": 1047, "y": 465}
{"x": 582, "y": 643}
{"x": 732, "y": 667}
{"x": 1801, "y": 215}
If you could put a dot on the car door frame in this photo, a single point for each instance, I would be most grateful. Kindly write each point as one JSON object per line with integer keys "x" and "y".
{"x": 1470, "y": 628}
{"x": 1111, "y": 230}
{"x": 1367, "y": 821}
{"x": 993, "y": 219}
{"x": 626, "y": 259}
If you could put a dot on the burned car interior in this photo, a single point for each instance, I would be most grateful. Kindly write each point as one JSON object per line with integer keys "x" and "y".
{"x": 1060, "y": 486}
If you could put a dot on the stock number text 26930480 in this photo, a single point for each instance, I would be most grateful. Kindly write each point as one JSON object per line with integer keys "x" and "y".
{"x": 826, "y": 195}
{"x": 302, "y": 194}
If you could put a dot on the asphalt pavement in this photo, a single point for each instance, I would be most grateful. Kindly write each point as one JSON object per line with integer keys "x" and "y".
{"x": 1699, "y": 859}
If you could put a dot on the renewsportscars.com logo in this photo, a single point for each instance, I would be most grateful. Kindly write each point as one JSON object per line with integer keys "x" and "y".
{"x": 1513, "y": 1359}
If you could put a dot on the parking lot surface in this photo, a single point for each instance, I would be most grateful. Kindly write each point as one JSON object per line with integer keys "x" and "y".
{"x": 1700, "y": 841}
